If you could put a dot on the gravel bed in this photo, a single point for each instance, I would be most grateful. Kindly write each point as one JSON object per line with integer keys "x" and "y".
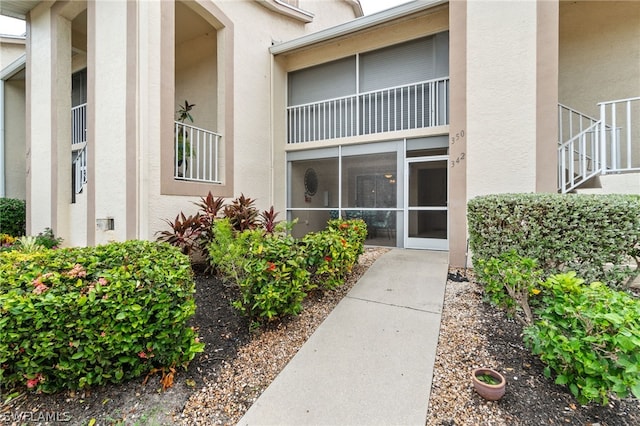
{"x": 474, "y": 334}
{"x": 241, "y": 380}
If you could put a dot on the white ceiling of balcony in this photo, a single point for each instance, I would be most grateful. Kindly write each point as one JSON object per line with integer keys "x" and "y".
{"x": 17, "y": 8}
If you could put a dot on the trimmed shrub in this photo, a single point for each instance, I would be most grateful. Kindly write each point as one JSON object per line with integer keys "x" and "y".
{"x": 273, "y": 270}
{"x": 13, "y": 217}
{"x": 77, "y": 317}
{"x": 509, "y": 281}
{"x": 269, "y": 269}
{"x": 330, "y": 254}
{"x": 597, "y": 236}
{"x": 589, "y": 337}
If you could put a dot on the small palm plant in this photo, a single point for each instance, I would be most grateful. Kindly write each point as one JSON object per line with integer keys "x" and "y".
{"x": 184, "y": 146}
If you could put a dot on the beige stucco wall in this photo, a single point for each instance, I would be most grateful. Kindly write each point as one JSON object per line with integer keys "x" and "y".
{"x": 599, "y": 53}
{"x": 600, "y": 59}
{"x": 14, "y": 139}
{"x": 501, "y": 97}
{"x": 10, "y": 50}
{"x": 255, "y": 28}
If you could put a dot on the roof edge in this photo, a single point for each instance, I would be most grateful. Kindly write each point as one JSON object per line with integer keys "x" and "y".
{"x": 14, "y": 67}
{"x": 357, "y": 24}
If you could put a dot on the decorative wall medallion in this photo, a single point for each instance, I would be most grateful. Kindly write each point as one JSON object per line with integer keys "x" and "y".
{"x": 310, "y": 182}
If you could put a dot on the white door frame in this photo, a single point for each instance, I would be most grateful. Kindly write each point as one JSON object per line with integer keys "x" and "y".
{"x": 415, "y": 242}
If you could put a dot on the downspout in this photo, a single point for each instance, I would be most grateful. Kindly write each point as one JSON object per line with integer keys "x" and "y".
{"x": 272, "y": 135}
{"x": 2, "y": 165}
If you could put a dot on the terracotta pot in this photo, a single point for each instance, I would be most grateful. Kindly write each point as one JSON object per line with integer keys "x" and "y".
{"x": 486, "y": 390}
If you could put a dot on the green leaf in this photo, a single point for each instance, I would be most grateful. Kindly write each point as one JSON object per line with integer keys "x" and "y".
{"x": 635, "y": 389}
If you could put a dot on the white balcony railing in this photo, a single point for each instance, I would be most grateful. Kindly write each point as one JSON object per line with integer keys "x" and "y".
{"x": 197, "y": 154}
{"x": 79, "y": 124}
{"x": 414, "y": 106}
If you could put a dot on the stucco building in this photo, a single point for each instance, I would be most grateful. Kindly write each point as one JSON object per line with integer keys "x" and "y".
{"x": 398, "y": 117}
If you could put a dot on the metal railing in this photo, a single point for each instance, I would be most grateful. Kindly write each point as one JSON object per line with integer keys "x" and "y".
{"x": 578, "y": 158}
{"x": 621, "y": 151}
{"x": 79, "y": 124}
{"x": 197, "y": 154}
{"x": 414, "y": 106}
{"x": 79, "y": 171}
{"x": 588, "y": 147}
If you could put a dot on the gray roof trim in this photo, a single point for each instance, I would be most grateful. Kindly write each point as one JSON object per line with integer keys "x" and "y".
{"x": 357, "y": 24}
{"x": 14, "y": 67}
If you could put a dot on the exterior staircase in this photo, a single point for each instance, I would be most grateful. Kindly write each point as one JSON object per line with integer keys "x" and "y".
{"x": 600, "y": 154}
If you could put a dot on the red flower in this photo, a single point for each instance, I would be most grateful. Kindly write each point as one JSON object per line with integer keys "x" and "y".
{"x": 32, "y": 383}
{"x": 40, "y": 288}
{"x": 327, "y": 258}
{"x": 142, "y": 355}
{"x": 271, "y": 266}
{"x": 344, "y": 225}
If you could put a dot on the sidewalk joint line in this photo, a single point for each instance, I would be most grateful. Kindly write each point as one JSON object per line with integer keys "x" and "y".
{"x": 394, "y": 305}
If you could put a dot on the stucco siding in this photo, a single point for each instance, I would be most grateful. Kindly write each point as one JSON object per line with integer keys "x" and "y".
{"x": 599, "y": 53}
{"x": 501, "y": 97}
{"x": 110, "y": 108}
{"x": 14, "y": 139}
{"x": 39, "y": 120}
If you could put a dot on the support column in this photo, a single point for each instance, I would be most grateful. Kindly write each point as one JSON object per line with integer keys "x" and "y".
{"x": 458, "y": 132}
{"x": 108, "y": 42}
{"x": 547, "y": 96}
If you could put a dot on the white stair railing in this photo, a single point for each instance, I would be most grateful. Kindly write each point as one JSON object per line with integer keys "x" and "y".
{"x": 79, "y": 168}
{"x": 413, "y": 106}
{"x": 197, "y": 154}
{"x": 588, "y": 146}
{"x": 620, "y": 151}
{"x": 578, "y": 158}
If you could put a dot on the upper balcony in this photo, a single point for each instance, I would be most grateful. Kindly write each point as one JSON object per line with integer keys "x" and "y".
{"x": 407, "y": 107}
{"x": 399, "y": 87}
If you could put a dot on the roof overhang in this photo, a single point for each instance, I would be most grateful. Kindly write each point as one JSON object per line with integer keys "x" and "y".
{"x": 17, "y": 8}
{"x": 356, "y": 25}
{"x": 14, "y": 67}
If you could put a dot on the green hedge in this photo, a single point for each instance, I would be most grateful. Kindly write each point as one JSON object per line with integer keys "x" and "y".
{"x": 594, "y": 235}
{"x": 76, "y": 317}
{"x": 13, "y": 217}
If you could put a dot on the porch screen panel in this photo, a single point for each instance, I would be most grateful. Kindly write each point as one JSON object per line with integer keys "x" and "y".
{"x": 322, "y": 101}
{"x": 389, "y": 100}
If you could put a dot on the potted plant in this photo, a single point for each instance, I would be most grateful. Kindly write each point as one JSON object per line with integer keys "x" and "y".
{"x": 183, "y": 147}
{"x": 488, "y": 383}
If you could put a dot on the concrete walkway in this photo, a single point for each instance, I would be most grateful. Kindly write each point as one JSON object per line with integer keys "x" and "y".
{"x": 371, "y": 360}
